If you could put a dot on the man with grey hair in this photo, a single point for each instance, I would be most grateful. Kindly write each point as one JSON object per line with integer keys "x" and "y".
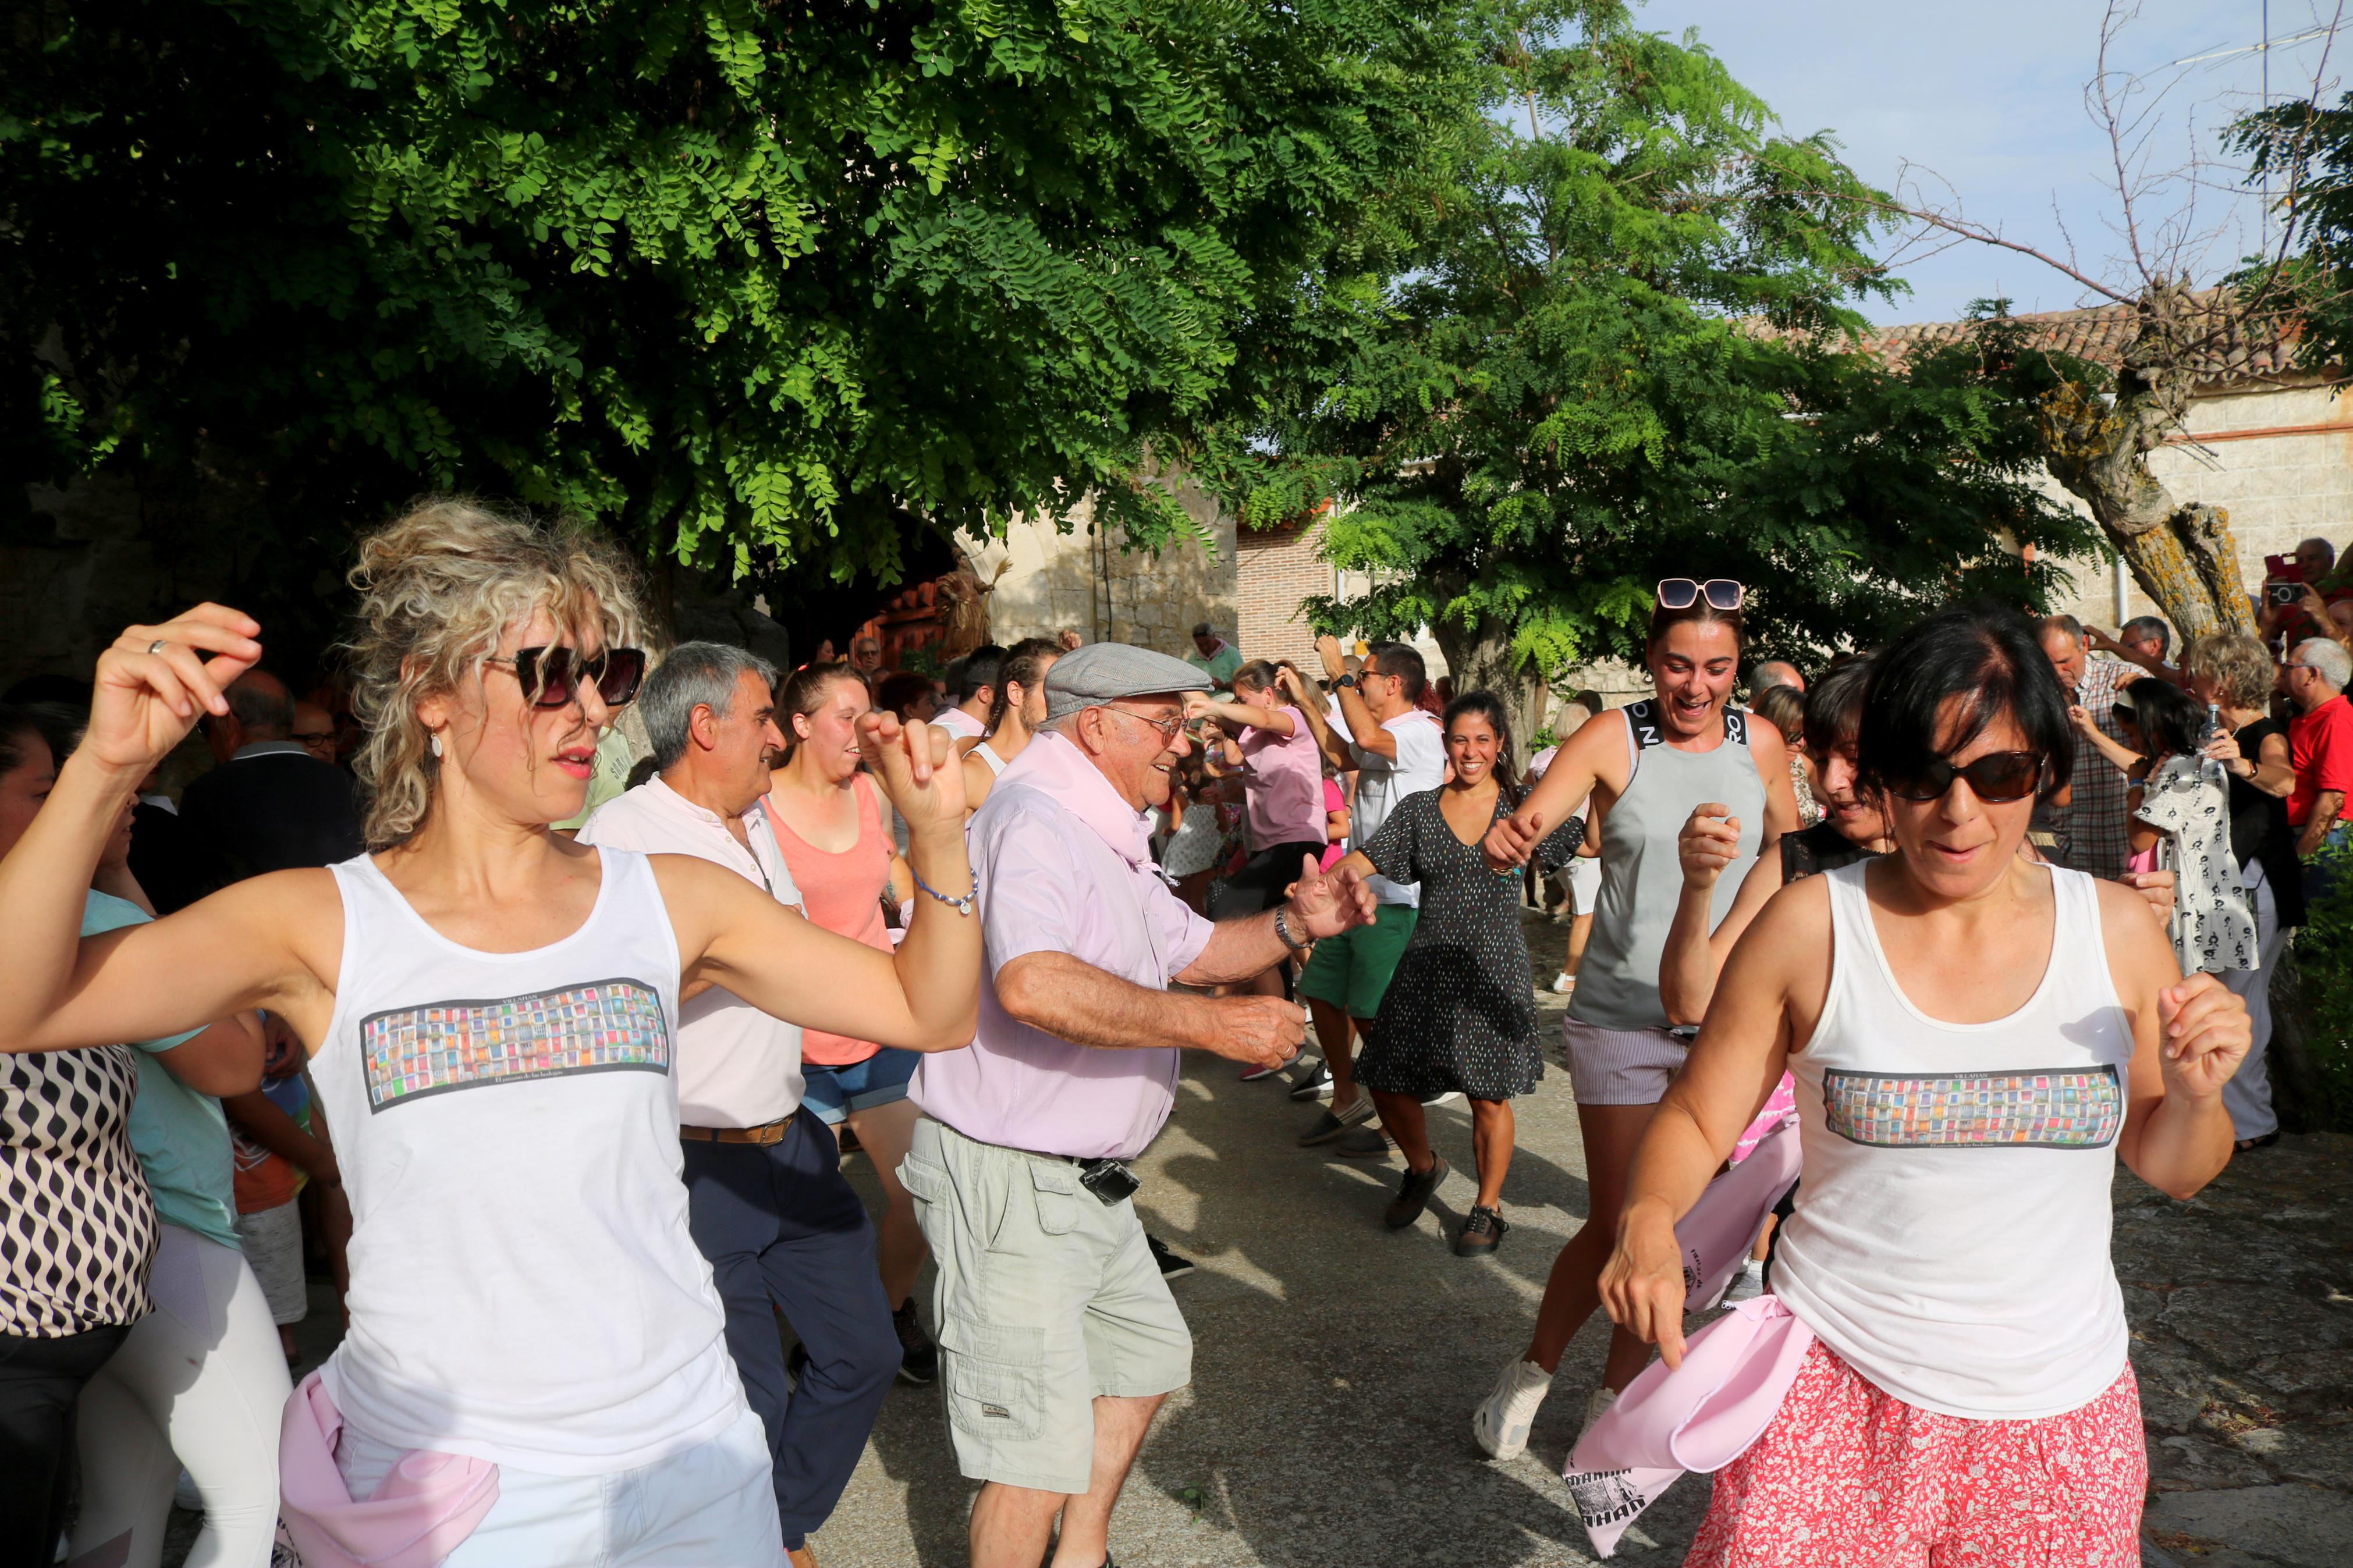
{"x": 1058, "y": 1338}
{"x": 2320, "y": 748}
{"x": 766, "y": 1201}
{"x": 2145, "y": 642}
{"x": 269, "y": 806}
{"x": 1776, "y": 672}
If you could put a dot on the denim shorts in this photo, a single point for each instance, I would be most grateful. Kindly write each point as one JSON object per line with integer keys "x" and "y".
{"x": 833, "y": 1093}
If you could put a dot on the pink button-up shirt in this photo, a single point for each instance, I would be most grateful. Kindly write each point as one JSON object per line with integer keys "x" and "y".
{"x": 1065, "y": 866}
{"x": 737, "y": 1066}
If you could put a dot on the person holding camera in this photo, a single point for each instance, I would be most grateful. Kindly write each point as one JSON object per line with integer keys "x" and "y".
{"x": 1057, "y": 1337}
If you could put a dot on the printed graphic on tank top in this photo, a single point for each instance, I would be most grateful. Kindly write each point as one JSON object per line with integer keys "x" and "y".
{"x": 523, "y": 1286}
{"x": 1642, "y": 876}
{"x": 1950, "y": 1238}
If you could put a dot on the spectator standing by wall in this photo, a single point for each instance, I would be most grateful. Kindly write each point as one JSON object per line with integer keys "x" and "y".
{"x": 2320, "y": 744}
{"x": 1214, "y": 657}
{"x": 2235, "y": 674}
{"x": 2091, "y": 826}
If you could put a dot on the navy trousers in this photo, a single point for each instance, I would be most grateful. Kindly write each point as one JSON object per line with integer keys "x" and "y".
{"x": 784, "y": 1231}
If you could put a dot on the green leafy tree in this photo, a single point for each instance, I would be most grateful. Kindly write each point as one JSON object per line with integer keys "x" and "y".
{"x": 763, "y": 283}
{"x": 1621, "y": 356}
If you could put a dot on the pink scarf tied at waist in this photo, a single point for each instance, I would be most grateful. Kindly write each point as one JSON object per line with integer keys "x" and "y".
{"x": 1736, "y": 1372}
{"x": 423, "y": 1509}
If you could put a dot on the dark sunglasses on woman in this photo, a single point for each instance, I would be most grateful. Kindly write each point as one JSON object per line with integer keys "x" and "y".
{"x": 1996, "y": 778}
{"x": 1682, "y": 593}
{"x": 551, "y": 677}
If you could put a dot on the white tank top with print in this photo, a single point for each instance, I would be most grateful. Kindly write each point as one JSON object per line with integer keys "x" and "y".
{"x": 523, "y": 1286}
{"x": 1950, "y": 1238}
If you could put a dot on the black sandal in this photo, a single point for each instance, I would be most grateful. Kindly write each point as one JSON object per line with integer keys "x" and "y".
{"x": 2265, "y": 1141}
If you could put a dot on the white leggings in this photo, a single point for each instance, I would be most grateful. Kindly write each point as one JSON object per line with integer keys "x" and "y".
{"x": 202, "y": 1377}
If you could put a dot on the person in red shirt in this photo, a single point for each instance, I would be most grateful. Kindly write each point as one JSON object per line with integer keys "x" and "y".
{"x": 2320, "y": 747}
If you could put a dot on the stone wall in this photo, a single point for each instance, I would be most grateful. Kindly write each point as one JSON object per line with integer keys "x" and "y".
{"x": 1047, "y": 581}
{"x": 2278, "y": 459}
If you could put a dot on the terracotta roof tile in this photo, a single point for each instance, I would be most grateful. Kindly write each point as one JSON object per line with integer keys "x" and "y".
{"x": 2100, "y": 333}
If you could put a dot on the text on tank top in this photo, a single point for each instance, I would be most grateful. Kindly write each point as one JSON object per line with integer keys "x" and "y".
{"x": 523, "y": 1286}
{"x": 842, "y": 891}
{"x": 1641, "y": 874}
{"x": 1950, "y": 1238}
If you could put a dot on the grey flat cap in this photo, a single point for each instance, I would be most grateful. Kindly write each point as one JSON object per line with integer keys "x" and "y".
{"x": 1104, "y": 672}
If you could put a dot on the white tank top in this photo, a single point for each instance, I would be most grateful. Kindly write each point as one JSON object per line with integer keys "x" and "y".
{"x": 523, "y": 1286}
{"x": 987, "y": 754}
{"x": 1951, "y": 1233}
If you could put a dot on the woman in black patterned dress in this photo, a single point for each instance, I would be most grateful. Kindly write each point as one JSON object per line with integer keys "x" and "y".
{"x": 1460, "y": 1014}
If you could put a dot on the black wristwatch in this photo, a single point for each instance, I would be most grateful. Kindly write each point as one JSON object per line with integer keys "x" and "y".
{"x": 1343, "y": 683}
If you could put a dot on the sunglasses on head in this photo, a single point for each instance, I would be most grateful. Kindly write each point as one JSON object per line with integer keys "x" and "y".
{"x": 1682, "y": 593}
{"x": 551, "y": 677}
{"x": 1996, "y": 777}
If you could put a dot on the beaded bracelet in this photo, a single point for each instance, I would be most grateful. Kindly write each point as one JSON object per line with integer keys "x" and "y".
{"x": 962, "y": 906}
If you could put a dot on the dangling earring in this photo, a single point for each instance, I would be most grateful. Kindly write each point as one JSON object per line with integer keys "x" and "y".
{"x": 434, "y": 741}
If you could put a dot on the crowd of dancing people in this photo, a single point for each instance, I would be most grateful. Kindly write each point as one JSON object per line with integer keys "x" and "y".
{"x": 533, "y": 1051}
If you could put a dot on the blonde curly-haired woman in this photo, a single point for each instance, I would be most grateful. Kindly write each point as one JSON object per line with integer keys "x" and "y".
{"x": 490, "y": 1009}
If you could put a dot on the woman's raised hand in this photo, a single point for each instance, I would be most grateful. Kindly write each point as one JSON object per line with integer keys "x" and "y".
{"x": 154, "y": 683}
{"x": 914, "y": 765}
{"x": 2207, "y": 1033}
{"x": 1709, "y": 842}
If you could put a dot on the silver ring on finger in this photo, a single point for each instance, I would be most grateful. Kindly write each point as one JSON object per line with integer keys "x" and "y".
{"x": 158, "y": 646}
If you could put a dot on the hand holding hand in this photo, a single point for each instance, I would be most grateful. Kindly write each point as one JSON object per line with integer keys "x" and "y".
{"x": 1264, "y": 1031}
{"x": 1511, "y": 841}
{"x": 2206, "y": 1036}
{"x": 1709, "y": 842}
{"x": 1325, "y": 903}
{"x": 153, "y": 683}
{"x": 1642, "y": 1282}
{"x": 914, "y": 763}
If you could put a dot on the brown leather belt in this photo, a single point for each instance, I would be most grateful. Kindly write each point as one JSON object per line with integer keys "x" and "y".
{"x": 766, "y": 1133}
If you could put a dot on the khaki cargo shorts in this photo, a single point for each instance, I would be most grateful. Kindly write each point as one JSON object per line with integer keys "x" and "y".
{"x": 1047, "y": 1299}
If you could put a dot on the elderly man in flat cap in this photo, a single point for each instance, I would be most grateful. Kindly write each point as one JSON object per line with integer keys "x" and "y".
{"x": 1060, "y": 1344}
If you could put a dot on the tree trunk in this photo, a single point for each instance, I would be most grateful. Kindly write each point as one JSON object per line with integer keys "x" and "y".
{"x": 1480, "y": 659}
{"x": 2182, "y": 553}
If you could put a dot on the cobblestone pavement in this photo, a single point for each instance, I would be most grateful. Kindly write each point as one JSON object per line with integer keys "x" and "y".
{"x": 1336, "y": 1362}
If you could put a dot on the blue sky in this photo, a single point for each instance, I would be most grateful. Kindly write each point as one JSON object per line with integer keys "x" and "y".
{"x": 1990, "y": 95}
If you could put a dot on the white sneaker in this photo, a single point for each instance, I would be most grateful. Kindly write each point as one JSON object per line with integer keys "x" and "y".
{"x": 1597, "y": 1405}
{"x": 1563, "y": 983}
{"x": 1746, "y": 1285}
{"x": 1500, "y": 1422}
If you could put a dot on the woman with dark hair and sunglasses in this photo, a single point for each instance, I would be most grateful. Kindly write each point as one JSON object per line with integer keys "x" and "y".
{"x": 1458, "y": 1016}
{"x": 490, "y": 1010}
{"x": 1646, "y": 767}
{"x": 1977, "y": 1038}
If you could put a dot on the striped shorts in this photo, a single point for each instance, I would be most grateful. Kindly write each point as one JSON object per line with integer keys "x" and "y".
{"x": 1620, "y": 1067}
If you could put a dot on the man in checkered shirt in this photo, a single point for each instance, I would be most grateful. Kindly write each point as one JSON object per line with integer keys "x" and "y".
{"x": 2094, "y": 830}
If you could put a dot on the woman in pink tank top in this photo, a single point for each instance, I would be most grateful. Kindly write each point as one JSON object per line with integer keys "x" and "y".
{"x": 829, "y": 820}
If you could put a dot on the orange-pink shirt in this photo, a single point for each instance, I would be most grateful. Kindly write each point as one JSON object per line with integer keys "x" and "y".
{"x": 842, "y": 892}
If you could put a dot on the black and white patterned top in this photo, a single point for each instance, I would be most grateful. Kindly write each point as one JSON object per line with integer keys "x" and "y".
{"x": 77, "y": 1223}
{"x": 2212, "y": 928}
{"x": 1460, "y": 1013}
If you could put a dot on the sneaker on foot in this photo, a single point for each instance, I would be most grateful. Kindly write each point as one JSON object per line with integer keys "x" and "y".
{"x": 1172, "y": 1265}
{"x": 1596, "y": 1406}
{"x": 1413, "y": 1194}
{"x": 1746, "y": 1285}
{"x": 1330, "y": 1124}
{"x": 1316, "y": 1085}
{"x": 1442, "y": 1096}
{"x": 919, "y": 1359}
{"x": 1502, "y": 1420}
{"x": 1483, "y": 1231}
{"x": 1362, "y": 1144}
{"x": 1563, "y": 983}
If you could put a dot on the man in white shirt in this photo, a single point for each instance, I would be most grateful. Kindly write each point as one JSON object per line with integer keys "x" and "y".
{"x": 973, "y": 678}
{"x": 766, "y": 1202}
{"x": 1396, "y": 750}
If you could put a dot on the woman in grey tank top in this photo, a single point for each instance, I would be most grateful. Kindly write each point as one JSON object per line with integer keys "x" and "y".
{"x": 1646, "y": 767}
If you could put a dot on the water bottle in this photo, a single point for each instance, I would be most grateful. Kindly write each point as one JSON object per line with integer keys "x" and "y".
{"x": 2216, "y": 773}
